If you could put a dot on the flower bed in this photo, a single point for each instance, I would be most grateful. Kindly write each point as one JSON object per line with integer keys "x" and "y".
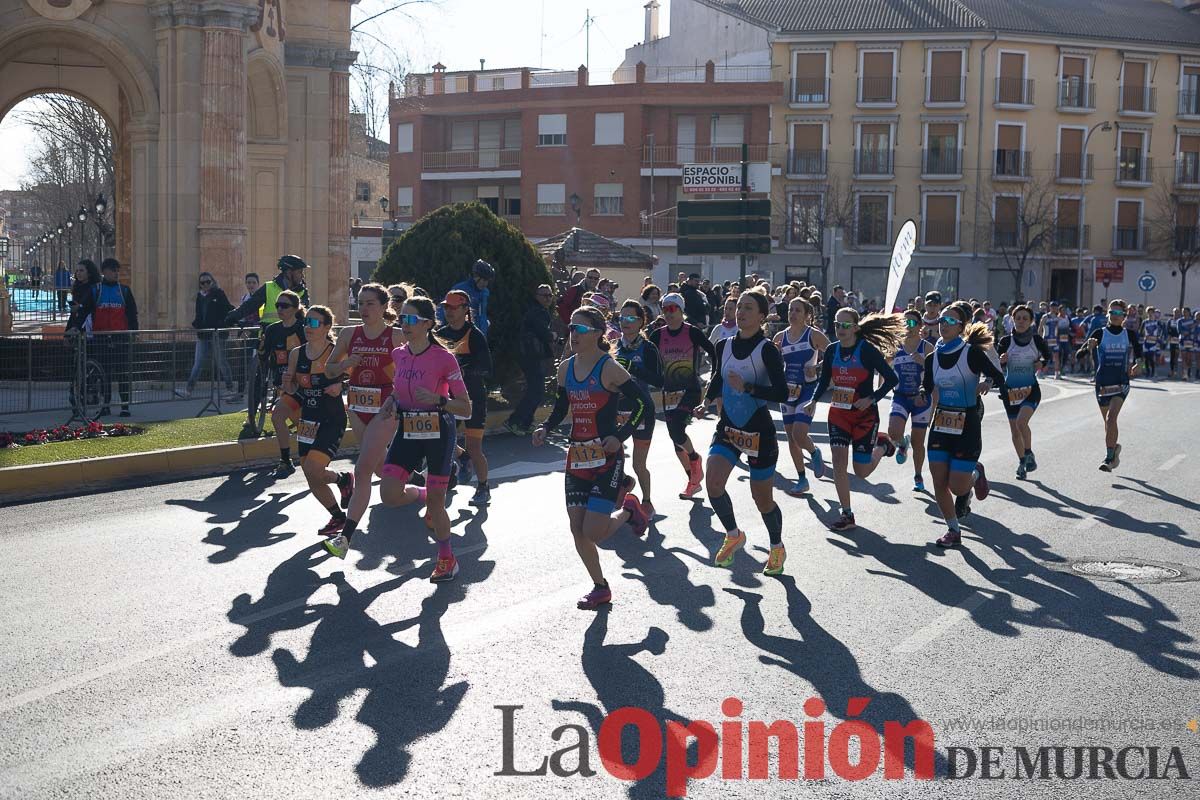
{"x": 66, "y": 433}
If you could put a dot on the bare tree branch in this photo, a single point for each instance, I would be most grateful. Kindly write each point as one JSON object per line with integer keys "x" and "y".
{"x": 1027, "y": 233}
{"x": 1174, "y": 222}
{"x": 398, "y": 7}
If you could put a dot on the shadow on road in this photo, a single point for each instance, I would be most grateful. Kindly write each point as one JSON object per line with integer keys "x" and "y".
{"x": 237, "y": 501}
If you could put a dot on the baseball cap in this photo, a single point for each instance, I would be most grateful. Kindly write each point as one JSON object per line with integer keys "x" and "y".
{"x": 933, "y": 297}
{"x": 672, "y": 299}
{"x": 600, "y": 301}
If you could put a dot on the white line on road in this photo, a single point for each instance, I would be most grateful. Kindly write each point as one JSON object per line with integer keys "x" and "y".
{"x": 940, "y": 625}
{"x": 1088, "y": 522}
{"x": 1172, "y": 461}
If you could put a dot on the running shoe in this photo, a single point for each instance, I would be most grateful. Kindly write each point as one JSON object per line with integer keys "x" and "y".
{"x": 638, "y": 521}
{"x": 817, "y": 463}
{"x": 453, "y": 480}
{"x": 1021, "y": 471}
{"x": 775, "y": 561}
{"x": 902, "y": 450}
{"x": 465, "y": 467}
{"x": 595, "y": 598}
{"x": 689, "y": 491}
{"x": 845, "y": 522}
{"x": 345, "y": 484}
{"x": 888, "y": 445}
{"x": 950, "y": 539}
{"x": 962, "y": 506}
{"x": 445, "y": 570}
{"x": 729, "y": 549}
{"x": 648, "y": 509}
{"x": 1030, "y": 462}
{"x": 337, "y": 546}
{"x": 482, "y": 496}
{"x": 918, "y": 483}
{"x": 1116, "y": 459}
{"x": 333, "y": 527}
{"x": 627, "y": 484}
{"x": 696, "y": 473}
{"x": 981, "y": 482}
{"x": 799, "y": 487}
{"x": 284, "y": 468}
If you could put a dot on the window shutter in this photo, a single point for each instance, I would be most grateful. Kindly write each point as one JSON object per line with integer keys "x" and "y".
{"x": 404, "y": 137}
{"x": 610, "y": 128}
{"x": 1008, "y": 137}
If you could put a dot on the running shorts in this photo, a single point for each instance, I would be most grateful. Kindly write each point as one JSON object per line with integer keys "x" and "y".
{"x": 905, "y": 406}
{"x": 1031, "y": 400}
{"x": 854, "y": 429}
{"x": 758, "y": 445}
{"x": 598, "y": 492}
{"x": 413, "y": 447}
{"x": 960, "y": 449}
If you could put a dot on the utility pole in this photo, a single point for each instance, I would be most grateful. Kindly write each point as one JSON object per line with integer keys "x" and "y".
{"x": 745, "y": 195}
{"x": 587, "y": 39}
{"x": 651, "y": 218}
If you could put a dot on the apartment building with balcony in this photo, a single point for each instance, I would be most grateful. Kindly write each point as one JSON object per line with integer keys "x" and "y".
{"x": 968, "y": 115}
{"x": 550, "y": 150}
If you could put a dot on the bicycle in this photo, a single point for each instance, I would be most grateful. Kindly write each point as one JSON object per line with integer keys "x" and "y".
{"x": 87, "y": 382}
{"x": 262, "y": 395}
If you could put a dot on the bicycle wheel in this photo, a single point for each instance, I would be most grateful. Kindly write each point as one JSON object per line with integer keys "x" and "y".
{"x": 260, "y": 396}
{"x": 93, "y": 383}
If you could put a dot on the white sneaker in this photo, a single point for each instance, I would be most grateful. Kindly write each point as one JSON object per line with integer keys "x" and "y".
{"x": 184, "y": 394}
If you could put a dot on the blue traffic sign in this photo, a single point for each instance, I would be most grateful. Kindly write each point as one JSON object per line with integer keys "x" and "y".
{"x": 1147, "y": 282}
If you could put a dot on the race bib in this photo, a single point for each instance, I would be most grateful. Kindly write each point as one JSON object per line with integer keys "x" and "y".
{"x": 366, "y": 399}
{"x": 1189, "y": 344}
{"x": 951, "y": 422}
{"x": 843, "y": 397}
{"x": 1018, "y": 394}
{"x": 1151, "y": 340}
{"x": 794, "y": 391}
{"x": 586, "y": 455}
{"x": 1111, "y": 391}
{"x": 306, "y": 431}
{"x": 1064, "y": 339}
{"x": 281, "y": 358}
{"x": 422, "y": 425}
{"x": 1173, "y": 340}
{"x": 671, "y": 400}
{"x": 745, "y": 441}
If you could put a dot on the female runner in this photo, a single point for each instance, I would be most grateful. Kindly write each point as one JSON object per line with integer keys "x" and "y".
{"x": 748, "y": 375}
{"x": 907, "y": 400}
{"x": 1113, "y": 345}
{"x": 801, "y": 346}
{"x": 952, "y": 382}
{"x": 322, "y": 414}
{"x": 1022, "y": 354}
{"x": 470, "y": 347}
{"x": 640, "y": 359}
{"x": 365, "y": 351}
{"x": 851, "y": 363}
{"x": 596, "y": 455}
{"x": 427, "y": 392}
{"x": 274, "y": 346}
{"x": 1152, "y": 336}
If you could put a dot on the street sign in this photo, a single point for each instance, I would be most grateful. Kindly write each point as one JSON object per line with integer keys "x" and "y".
{"x": 722, "y": 178}
{"x": 723, "y": 227}
{"x": 1147, "y": 282}
{"x": 1110, "y": 270}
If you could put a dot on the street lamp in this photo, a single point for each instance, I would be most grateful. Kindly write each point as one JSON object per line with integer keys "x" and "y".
{"x": 70, "y": 249}
{"x": 101, "y": 205}
{"x": 576, "y": 205}
{"x": 1104, "y": 126}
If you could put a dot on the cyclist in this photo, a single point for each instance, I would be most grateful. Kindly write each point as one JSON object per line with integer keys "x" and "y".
{"x": 277, "y": 341}
{"x": 477, "y": 292}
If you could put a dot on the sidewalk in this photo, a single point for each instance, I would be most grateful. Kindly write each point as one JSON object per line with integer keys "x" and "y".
{"x": 139, "y": 413}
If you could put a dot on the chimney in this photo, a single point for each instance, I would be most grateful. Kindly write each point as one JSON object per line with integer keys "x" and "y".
{"x": 651, "y": 21}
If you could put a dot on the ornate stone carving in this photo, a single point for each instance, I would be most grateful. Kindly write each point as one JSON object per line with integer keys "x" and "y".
{"x": 270, "y": 19}
{"x": 62, "y": 10}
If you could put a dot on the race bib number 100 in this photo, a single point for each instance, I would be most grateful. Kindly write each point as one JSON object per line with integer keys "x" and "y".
{"x": 746, "y": 441}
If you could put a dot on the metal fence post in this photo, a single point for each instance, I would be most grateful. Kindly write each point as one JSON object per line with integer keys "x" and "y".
{"x": 29, "y": 374}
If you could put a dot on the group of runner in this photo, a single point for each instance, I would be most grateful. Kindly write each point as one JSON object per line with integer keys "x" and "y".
{"x": 408, "y": 382}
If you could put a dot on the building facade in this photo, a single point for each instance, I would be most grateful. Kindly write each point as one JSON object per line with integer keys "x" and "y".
{"x": 22, "y": 226}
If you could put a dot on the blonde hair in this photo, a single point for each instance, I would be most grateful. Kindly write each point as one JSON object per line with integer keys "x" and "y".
{"x": 883, "y": 331}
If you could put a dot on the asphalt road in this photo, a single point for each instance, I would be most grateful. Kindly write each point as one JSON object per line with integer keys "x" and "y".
{"x": 193, "y": 640}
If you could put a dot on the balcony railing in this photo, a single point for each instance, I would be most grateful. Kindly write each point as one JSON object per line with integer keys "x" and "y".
{"x": 1014, "y": 91}
{"x": 1138, "y": 99}
{"x": 1067, "y": 167}
{"x": 671, "y": 155}
{"x": 661, "y": 223}
{"x": 471, "y": 159}
{"x": 1005, "y": 236}
{"x": 1189, "y": 103}
{"x": 1011, "y": 164}
{"x": 871, "y": 233}
{"x": 873, "y": 162}
{"x": 1187, "y": 170}
{"x": 877, "y": 90}
{"x": 939, "y": 233}
{"x": 1077, "y": 95}
{"x": 748, "y": 73}
{"x": 1134, "y": 168}
{"x": 1187, "y": 239}
{"x": 941, "y": 162}
{"x": 810, "y": 91}
{"x": 1130, "y": 240}
{"x": 1066, "y": 237}
{"x": 945, "y": 89}
{"x": 806, "y": 162}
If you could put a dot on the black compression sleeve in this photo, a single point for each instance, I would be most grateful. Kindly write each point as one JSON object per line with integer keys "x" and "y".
{"x": 826, "y": 372}
{"x": 1042, "y": 348}
{"x": 927, "y": 376}
{"x": 979, "y": 363}
{"x": 1003, "y": 345}
{"x": 716, "y": 382}
{"x": 777, "y": 390}
{"x": 641, "y": 405}
{"x": 652, "y": 367}
{"x": 873, "y": 359}
{"x": 559, "y": 412}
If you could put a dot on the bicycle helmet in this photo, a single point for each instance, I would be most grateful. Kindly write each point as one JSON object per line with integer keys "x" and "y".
{"x": 483, "y": 269}
{"x": 289, "y": 263}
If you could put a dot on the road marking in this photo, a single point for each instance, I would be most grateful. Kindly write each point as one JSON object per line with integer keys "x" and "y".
{"x": 940, "y": 625}
{"x": 1172, "y": 461}
{"x": 1088, "y": 522}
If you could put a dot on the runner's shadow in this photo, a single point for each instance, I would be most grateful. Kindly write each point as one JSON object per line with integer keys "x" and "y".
{"x": 284, "y": 603}
{"x": 1018, "y": 494}
{"x": 232, "y": 498}
{"x": 1123, "y": 521}
{"x": 1157, "y": 493}
{"x": 665, "y": 575}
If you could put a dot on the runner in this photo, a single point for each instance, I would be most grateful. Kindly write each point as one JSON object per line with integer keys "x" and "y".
{"x": 952, "y": 382}
{"x": 427, "y": 391}
{"x": 640, "y": 358}
{"x": 1021, "y": 354}
{"x": 1052, "y": 326}
{"x": 322, "y": 414}
{"x": 747, "y": 376}
{"x": 728, "y": 325}
{"x": 1152, "y": 336}
{"x": 366, "y": 352}
{"x": 470, "y": 347}
{"x": 850, "y": 365}
{"x": 907, "y": 400}
{"x": 1113, "y": 345}
{"x": 1173, "y": 343}
{"x": 277, "y": 341}
{"x": 801, "y": 346}
{"x": 1188, "y": 331}
{"x": 596, "y": 456}
{"x": 680, "y": 344}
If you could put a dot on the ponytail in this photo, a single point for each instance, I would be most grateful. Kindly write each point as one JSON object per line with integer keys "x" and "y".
{"x": 884, "y": 332}
{"x": 978, "y": 334}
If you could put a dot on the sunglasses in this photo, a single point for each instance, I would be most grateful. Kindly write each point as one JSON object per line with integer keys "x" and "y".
{"x": 282, "y": 306}
{"x": 206, "y": 283}
{"x": 950, "y": 321}
{"x": 630, "y": 318}
{"x": 670, "y": 309}
{"x": 1116, "y": 312}
{"x": 313, "y": 322}
{"x": 910, "y": 323}
{"x": 412, "y": 319}
{"x": 845, "y": 325}
{"x": 581, "y": 329}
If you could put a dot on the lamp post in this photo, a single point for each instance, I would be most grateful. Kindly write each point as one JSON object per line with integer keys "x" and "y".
{"x": 59, "y": 232}
{"x": 101, "y": 207}
{"x": 1104, "y": 126}
{"x": 81, "y": 215}
{"x": 70, "y": 244}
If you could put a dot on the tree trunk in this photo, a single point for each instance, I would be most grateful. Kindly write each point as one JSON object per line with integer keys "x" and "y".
{"x": 1183, "y": 271}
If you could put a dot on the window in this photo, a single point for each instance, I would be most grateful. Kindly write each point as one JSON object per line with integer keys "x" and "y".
{"x": 877, "y": 84}
{"x": 1066, "y": 224}
{"x": 941, "y": 149}
{"x": 1131, "y": 158}
{"x": 490, "y": 197}
{"x": 940, "y": 220}
{"x": 807, "y": 156}
{"x": 404, "y": 137}
{"x": 362, "y": 192}
{"x": 1011, "y": 86}
{"x": 490, "y": 133}
{"x": 938, "y": 279}
{"x": 1128, "y": 234}
{"x": 805, "y": 220}
{"x": 872, "y": 220}
{"x": 1136, "y": 94}
{"x": 551, "y": 199}
{"x": 1187, "y": 171}
{"x": 512, "y": 134}
{"x": 727, "y": 137}
{"x": 1074, "y": 89}
{"x": 1187, "y": 220}
{"x": 1010, "y": 156}
{"x": 463, "y": 194}
{"x": 609, "y": 199}
{"x": 809, "y": 83}
{"x": 869, "y": 283}
{"x": 685, "y": 140}
{"x": 1006, "y": 222}
{"x": 552, "y": 130}
{"x": 1070, "y": 154}
{"x": 462, "y": 136}
{"x": 610, "y": 128}
{"x": 812, "y": 276}
{"x": 512, "y": 206}
{"x": 945, "y": 81}
{"x": 404, "y": 201}
{"x": 874, "y": 149}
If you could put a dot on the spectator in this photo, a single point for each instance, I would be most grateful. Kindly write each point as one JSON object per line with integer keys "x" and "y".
{"x": 728, "y": 324}
{"x": 836, "y": 301}
{"x": 476, "y": 287}
{"x": 212, "y": 306}
{"x": 62, "y": 286}
{"x": 713, "y": 295}
{"x": 35, "y": 279}
{"x": 651, "y": 295}
{"x": 695, "y": 304}
{"x": 111, "y": 309}
{"x": 608, "y": 289}
{"x": 572, "y": 298}
{"x": 252, "y": 283}
{"x": 249, "y": 341}
{"x": 534, "y": 349}
{"x": 86, "y": 276}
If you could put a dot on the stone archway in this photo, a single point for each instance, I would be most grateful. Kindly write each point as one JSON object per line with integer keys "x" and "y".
{"x": 230, "y": 138}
